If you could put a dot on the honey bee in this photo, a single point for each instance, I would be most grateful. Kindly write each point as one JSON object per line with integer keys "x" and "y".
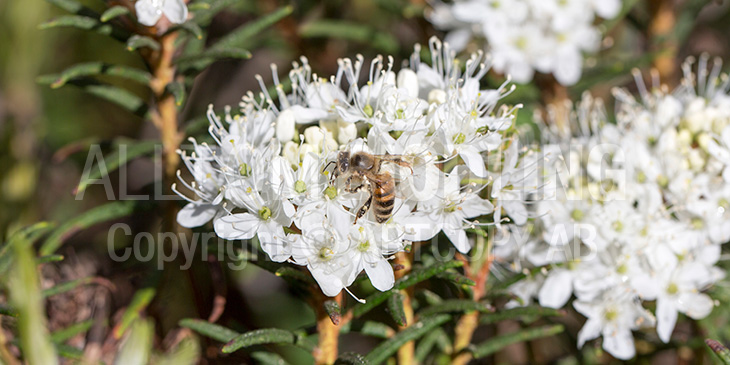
{"x": 363, "y": 170}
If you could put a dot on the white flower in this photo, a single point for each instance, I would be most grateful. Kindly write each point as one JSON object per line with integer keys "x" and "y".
{"x": 613, "y": 316}
{"x": 149, "y": 12}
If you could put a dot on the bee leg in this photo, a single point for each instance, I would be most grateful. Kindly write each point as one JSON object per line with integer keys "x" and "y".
{"x": 364, "y": 208}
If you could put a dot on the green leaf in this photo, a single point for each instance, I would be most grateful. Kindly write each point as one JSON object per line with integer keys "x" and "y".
{"x": 27, "y": 236}
{"x": 120, "y": 157}
{"x": 415, "y": 331}
{"x": 350, "y": 31}
{"x": 137, "y": 345}
{"x": 69, "y": 332}
{"x": 74, "y": 7}
{"x": 114, "y": 12}
{"x": 414, "y": 277}
{"x": 49, "y": 258}
{"x": 203, "y": 60}
{"x": 25, "y": 296}
{"x": 67, "y": 286}
{"x": 187, "y": 352}
{"x": 456, "y": 278}
{"x": 519, "y": 312}
{"x": 333, "y": 311}
{"x": 351, "y": 358}
{"x": 268, "y": 358}
{"x": 114, "y": 94}
{"x": 259, "y": 337}
{"x": 497, "y": 343}
{"x": 192, "y": 28}
{"x": 7, "y": 311}
{"x": 456, "y": 305}
{"x": 177, "y": 89}
{"x": 427, "y": 344}
{"x": 395, "y": 308}
{"x": 69, "y": 352}
{"x": 139, "y": 41}
{"x": 369, "y": 328}
{"x": 207, "y": 329}
{"x": 242, "y": 36}
{"x": 94, "y": 69}
{"x": 140, "y": 301}
{"x": 85, "y": 220}
{"x": 722, "y": 352}
{"x": 86, "y": 23}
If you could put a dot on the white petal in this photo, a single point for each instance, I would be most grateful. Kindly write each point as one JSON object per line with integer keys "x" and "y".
{"x": 273, "y": 243}
{"x": 696, "y": 305}
{"x": 557, "y": 289}
{"x": 240, "y": 226}
{"x": 195, "y": 215}
{"x": 330, "y": 284}
{"x": 516, "y": 211}
{"x": 570, "y": 67}
{"x": 175, "y": 11}
{"x": 476, "y": 206}
{"x": 473, "y": 160}
{"x": 666, "y": 315}
{"x": 380, "y": 274}
{"x": 147, "y": 14}
{"x": 459, "y": 239}
{"x": 420, "y": 227}
{"x": 620, "y": 344}
{"x": 591, "y": 329}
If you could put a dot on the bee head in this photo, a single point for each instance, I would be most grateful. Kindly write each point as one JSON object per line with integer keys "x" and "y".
{"x": 362, "y": 161}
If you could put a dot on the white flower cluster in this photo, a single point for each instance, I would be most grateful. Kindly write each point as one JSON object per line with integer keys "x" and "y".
{"x": 525, "y": 36}
{"x": 149, "y": 12}
{"x": 640, "y": 210}
{"x": 301, "y": 174}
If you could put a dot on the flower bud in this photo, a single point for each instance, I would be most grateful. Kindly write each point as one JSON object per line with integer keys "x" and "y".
{"x": 285, "y": 126}
{"x": 314, "y": 135}
{"x": 291, "y": 152}
{"x": 437, "y": 96}
{"x": 346, "y": 132}
{"x": 408, "y": 81}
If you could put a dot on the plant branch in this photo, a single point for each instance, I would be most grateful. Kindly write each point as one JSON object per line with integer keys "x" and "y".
{"x": 406, "y": 354}
{"x": 326, "y": 351}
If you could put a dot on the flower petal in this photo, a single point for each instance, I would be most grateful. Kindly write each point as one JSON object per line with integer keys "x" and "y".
{"x": 473, "y": 160}
{"x": 666, "y": 315}
{"x": 557, "y": 289}
{"x": 240, "y": 226}
{"x": 147, "y": 13}
{"x": 619, "y": 343}
{"x": 459, "y": 239}
{"x": 380, "y": 274}
{"x": 175, "y": 11}
{"x": 195, "y": 215}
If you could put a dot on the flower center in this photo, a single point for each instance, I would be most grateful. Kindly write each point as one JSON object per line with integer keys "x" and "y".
{"x": 459, "y": 138}
{"x": 265, "y": 213}
{"x": 368, "y": 110}
{"x": 662, "y": 181}
{"x": 641, "y": 177}
{"x": 326, "y": 253}
{"x": 363, "y": 246}
{"x": 672, "y": 288}
{"x": 622, "y": 269}
{"x": 617, "y": 226}
{"x": 244, "y": 170}
{"x": 577, "y": 215}
{"x": 400, "y": 114}
{"x": 697, "y": 223}
{"x": 331, "y": 192}
{"x": 610, "y": 314}
{"x": 300, "y": 186}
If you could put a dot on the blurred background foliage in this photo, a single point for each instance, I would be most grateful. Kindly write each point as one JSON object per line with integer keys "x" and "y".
{"x": 109, "y": 309}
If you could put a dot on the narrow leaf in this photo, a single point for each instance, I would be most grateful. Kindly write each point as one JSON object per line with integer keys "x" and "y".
{"x": 69, "y": 332}
{"x": 177, "y": 89}
{"x": 114, "y": 94}
{"x": 7, "y": 311}
{"x": 495, "y": 344}
{"x": 140, "y": 301}
{"x": 67, "y": 286}
{"x": 259, "y": 337}
{"x": 369, "y": 328}
{"x": 415, "y": 331}
{"x": 87, "y": 219}
{"x": 69, "y": 352}
{"x": 242, "y": 36}
{"x": 74, "y": 7}
{"x": 455, "y": 305}
{"x": 414, "y": 277}
{"x": 49, "y": 258}
{"x": 93, "y": 69}
{"x": 268, "y": 358}
{"x": 86, "y": 23}
{"x": 187, "y": 352}
{"x": 114, "y": 12}
{"x": 351, "y": 358}
{"x": 25, "y": 295}
{"x": 28, "y": 236}
{"x": 395, "y": 308}
{"x": 137, "y": 345}
{"x": 214, "y": 331}
{"x": 192, "y": 28}
{"x": 350, "y": 31}
{"x": 139, "y": 41}
{"x": 333, "y": 311}
{"x": 519, "y": 312}
{"x": 126, "y": 151}
{"x": 722, "y": 352}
